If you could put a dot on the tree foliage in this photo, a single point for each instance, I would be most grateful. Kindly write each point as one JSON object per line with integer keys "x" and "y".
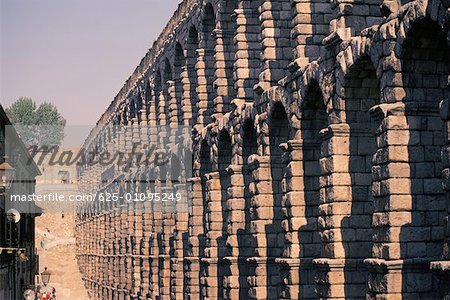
{"x": 37, "y": 125}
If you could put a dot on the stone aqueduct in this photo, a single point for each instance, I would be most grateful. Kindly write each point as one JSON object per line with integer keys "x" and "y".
{"x": 321, "y": 155}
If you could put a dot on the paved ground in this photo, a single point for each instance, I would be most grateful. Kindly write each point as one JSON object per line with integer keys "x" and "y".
{"x": 58, "y": 255}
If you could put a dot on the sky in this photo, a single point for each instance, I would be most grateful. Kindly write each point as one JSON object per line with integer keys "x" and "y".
{"x": 76, "y": 54}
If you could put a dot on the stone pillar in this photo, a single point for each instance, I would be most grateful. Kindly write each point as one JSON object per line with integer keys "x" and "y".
{"x": 147, "y": 228}
{"x": 235, "y": 281}
{"x": 144, "y": 117}
{"x": 310, "y": 25}
{"x": 196, "y": 242}
{"x": 163, "y": 104}
{"x": 442, "y": 267}
{"x": 262, "y": 215}
{"x": 247, "y": 47}
{"x": 349, "y": 18}
{"x": 189, "y": 83}
{"x": 174, "y": 103}
{"x": 392, "y": 206}
{"x": 335, "y": 205}
{"x": 402, "y": 180}
{"x": 276, "y": 52}
{"x": 188, "y": 104}
{"x": 294, "y": 213}
{"x": 205, "y": 90}
{"x": 179, "y": 234}
{"x": 155, "y": 249}
{"x": 222, "y": 57}
{"x": 166, "y": 236}
{"x": 212, "y": 277}
{"x": 136, "y": 247}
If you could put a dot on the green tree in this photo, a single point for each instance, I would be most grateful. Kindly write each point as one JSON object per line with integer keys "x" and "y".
{"x": 37, "y": 125}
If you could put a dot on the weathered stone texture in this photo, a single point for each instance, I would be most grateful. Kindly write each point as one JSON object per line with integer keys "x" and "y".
{"x": 321, "y": 156}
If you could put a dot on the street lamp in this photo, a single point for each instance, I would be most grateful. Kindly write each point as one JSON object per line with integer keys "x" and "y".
{"x": 7, "y": 173}
{"x": 45, "y": 276}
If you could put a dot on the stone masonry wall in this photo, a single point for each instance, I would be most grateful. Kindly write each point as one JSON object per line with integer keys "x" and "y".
{"x": 321, "y": 166}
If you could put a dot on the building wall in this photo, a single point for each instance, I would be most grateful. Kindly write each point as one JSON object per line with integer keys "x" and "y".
{"x": 318, "y": 129}
{"x": 18, "y": 260}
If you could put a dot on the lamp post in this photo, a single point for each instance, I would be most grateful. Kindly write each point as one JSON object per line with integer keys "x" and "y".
{"x": 45, "y": 276}
{"x": 46, "y": 292}
{"x": 7, "y": 173}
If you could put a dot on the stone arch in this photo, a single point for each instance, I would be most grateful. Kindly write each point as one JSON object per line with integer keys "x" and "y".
{"x": 150, "y": 98}
{"x": 158, "y": 90}
{"x": 167, "y": 77}
{"x": 224, "y": 53}
{"x": 245, "y": 250}
{"x": 392, "y": 33}
{"x": 277, "y": 98}
{"x": 132, "y": 107}
{"x": 425, "y": 66}
{"x": 314, "y": 73}
{"x": 146, "y": 94}
{"x": 224, "y": 158}
{"x": 206, "y": 64}
{"x": 190, "y": 82}
{"x": 224, "y": 148}
{"x": 357, "y": 50}
{"x": 208, "y": 24}
{"x": 305, "y": 208}
{"x": 213, "y": 8}
{"x": 360, "y": 89}
{"x": 147, "y": 90}
{"x": 205, "y": 168}
{"x": 178, "y": 89}
{"x": 280, "y": 132}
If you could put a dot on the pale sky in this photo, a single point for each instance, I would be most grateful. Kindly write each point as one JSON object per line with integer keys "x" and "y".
{"x": 76, "y": 54}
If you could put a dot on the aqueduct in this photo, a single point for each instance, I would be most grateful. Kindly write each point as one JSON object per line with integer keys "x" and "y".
{"x": 320, "y": 152}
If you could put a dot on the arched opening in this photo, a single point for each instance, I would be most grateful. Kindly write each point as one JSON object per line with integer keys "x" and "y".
{"x": 245, "y": 244}
{"x": 167, "y": 76}
{"x": 205, "y": 168}
{"x": 224, "y": 148}
{"x": 148, "y": 96}
{"x": 179, "y": 64}
{"x": 167, "y": 71}
{"x": 425, "y": 58}
{"x": 138, "y": 105}
{"x": 361, "y": 93}
{"x": 279, "y": 133}
{"x": 203, "y": 243}
{"x": 157, "y": 95}
{"x": 224, "y": 55}
{"x": 313, "y": 120}
{"x": 191, "y": 85}
{"x": 206, "y": 64}
{"x": 132, "y": 108}
{"x": 160, "y": 229}
{"x": 209, "y": 18}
